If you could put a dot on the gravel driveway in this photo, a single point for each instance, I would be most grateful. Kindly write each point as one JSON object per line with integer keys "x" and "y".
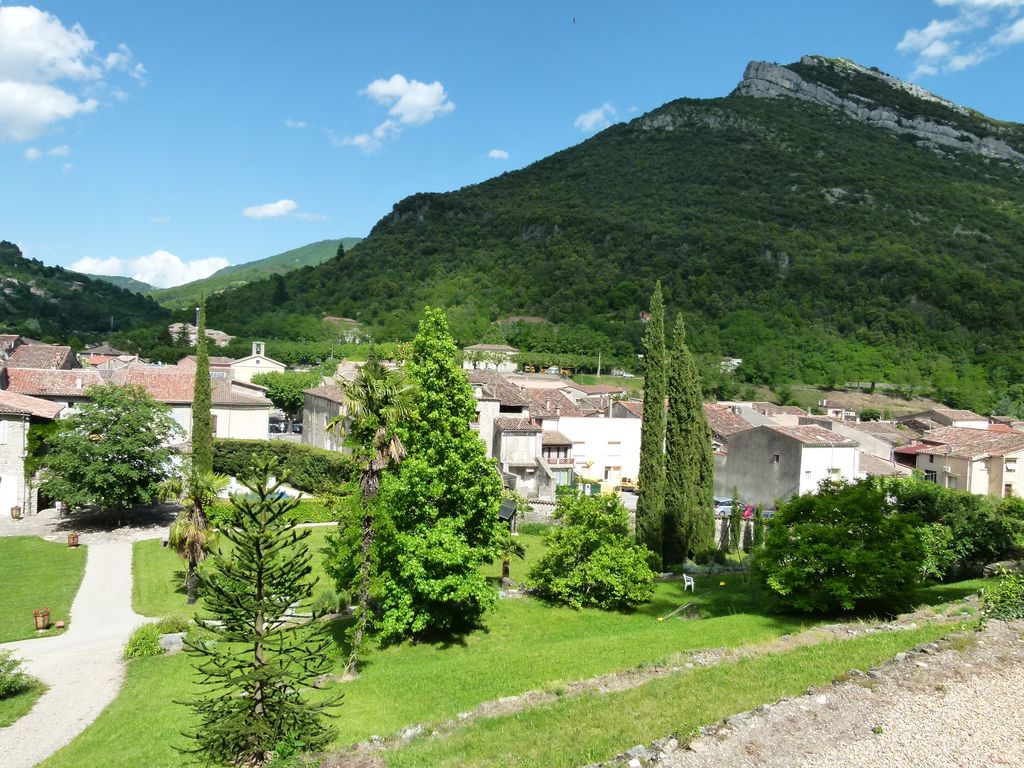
{"x": 83, "y": 666}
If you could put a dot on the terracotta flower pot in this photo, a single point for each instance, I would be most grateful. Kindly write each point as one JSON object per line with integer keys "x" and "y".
{"x": 42, "y": 617}
{"x": 72, "y": 539}
{"x": 16, "y": 512}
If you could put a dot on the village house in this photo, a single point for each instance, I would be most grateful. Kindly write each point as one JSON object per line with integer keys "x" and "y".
{"x": 983, "y": 462}
{"x": 219, "y": 338}
{"x": 948, "y": 417}
{"x": 724, "y": 421}
{"x": 42, "y": 356}
{"x": 319, "y": 406}
{"x": 17, "y": 414}
{"x": 769, "y": 463}
{"x": 217, "y": 363}
{"x": 838, "y": 411}
{"x": 245, "y": 368}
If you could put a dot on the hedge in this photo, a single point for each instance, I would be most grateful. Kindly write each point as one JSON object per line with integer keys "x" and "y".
{"x": 307, "y": 511}
{"x": 309, "y": 469}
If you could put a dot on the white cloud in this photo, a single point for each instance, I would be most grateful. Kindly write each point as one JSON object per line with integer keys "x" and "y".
{"x": 160, "y": 268}
{"x": 964, "y": 41}
{"x": 62, "y": 151}
{"x": 160, "y": 220}
{"x": 295, "y": 123}
{"x": 270, "y": 210}
{"x": 49, "y": 72}
{"x": 596, "y": 119}
{"x": 32, "y": 154}
{"x": 498, "y": 154}
{"x": 280, "y": 209}
{"x": 66, "y": 168}
{"x": 411, "y": 102}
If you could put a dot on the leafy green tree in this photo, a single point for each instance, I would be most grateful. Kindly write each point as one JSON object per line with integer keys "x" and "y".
{"x": 285, "y": 388}
{"x": 377, "y": 403}
{"x": 841, "y": 547}
{"x": 202, "y": 417}
{"x": 441, "y": 519}
{"x": 191, "y": 535}
{"x": 112, "y": 451}
{"x": 689, "y": 501}
{"x": 255, "y": 675}
{"x": 650, "y": 506}
{"x": 591, "y": 559}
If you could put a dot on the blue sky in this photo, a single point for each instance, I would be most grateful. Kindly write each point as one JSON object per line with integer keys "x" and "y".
{"x": 164, "y": 140}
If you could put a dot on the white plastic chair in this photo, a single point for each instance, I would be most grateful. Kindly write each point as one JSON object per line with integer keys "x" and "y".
{"x": 687, "y": 583}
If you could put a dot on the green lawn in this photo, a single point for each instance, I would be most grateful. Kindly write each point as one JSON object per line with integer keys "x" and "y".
{"x": 36, "y": 574}
{"x": 158, "y": 575}
{"x": 15, "y": 706}
{"x": 591, "y": 727}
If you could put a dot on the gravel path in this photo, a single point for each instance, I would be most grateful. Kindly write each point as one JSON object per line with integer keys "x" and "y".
{"x": 935, "y": 707}
{"x": 83, "y": 666}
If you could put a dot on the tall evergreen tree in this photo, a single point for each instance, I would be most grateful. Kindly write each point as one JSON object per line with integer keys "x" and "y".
{"x": 689, "y": 501}
{"x": 650, "y": 506}
{"x": 202, "y": 418}
{"x": 441, "y": 520}
{"x": 254, "y": 679}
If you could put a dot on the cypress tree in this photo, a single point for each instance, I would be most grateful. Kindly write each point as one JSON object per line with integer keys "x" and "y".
{"x": 255, "y": 678}
{"x": 689, "y": 522}
{"x": 650, "y": 506}
{"x": 202, "y": 418}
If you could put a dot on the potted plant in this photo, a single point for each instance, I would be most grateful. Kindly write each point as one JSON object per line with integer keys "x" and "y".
{"x": 73, "y": 539}
{"x": 42, "y": 617}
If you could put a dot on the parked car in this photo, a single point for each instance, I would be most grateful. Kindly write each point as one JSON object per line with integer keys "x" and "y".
{"x": 296, "y": 429}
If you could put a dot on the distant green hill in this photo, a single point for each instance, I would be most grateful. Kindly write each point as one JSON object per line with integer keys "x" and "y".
{"x": 128, "y": 283}
{"x": 825, "y": 222}
{"x": 181, "y": 296}
{"x": 56, "y": 304}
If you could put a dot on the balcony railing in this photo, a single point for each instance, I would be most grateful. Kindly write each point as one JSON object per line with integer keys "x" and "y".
{"x": 563, "y": 461}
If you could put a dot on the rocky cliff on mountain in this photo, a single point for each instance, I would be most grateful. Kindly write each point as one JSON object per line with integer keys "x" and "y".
{"x": 964, "y": 131}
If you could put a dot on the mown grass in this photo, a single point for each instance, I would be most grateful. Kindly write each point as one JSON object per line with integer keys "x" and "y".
{"x": 158, "y": 575}
{"x": 36, "y": 574}
{"x": 592, "y": 727}
{"x": 19, "y": 704}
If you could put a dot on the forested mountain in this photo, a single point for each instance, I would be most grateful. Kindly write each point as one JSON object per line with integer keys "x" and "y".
{"x": 133, "y": 285}
{"x": 55, "y": 304}
{"x": 824, "y": 222}
{"x": 240, "y": 274}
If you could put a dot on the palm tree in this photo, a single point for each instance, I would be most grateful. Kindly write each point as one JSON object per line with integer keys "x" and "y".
{"x": 191, "y": 535}
{"x": 508, "y": 548}
{"x": 377, "y": 401}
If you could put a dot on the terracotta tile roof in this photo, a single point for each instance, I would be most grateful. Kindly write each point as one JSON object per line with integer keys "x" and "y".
{"x": 554, "y": 437}
{"x": 972, "y": 443}
{"x": 596, "y": 389}
{"x": 42, "y": 356}
{"x": 920, "y": 424}
{"x": 633, "y": 406}
{"x": 549, "y": 403}
{"x": 515, "y": 425}
{"x": 331, "y": 392}
{"x": 723, "y": 421}
{"x": 8, "y": 340}
{"x": 216, "y": 361}
{"x": 813, "y": 436}
{"x": 877, "y": 467}
{"x": 770, "y": 409}
{"x": 959, "y": 414}
{"x": 104, "y": 349}
{"x": 167, "y": 384}
{"x": 53, "y": 382}
{"x": 230, "y": 392}
{"x": 496, "y": 387}
{"x": 12, "y": 402}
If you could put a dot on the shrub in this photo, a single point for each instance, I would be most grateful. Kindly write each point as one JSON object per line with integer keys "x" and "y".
{"x": 329, "y": 601}
{"x": 592, "y": 558}
{"x": 144, "y": 641}
{"x": 12, "y": 678}
{"x": 309, "y": 469}
{"x": 839, "y": 547}
{"x": 170, "y": 624}
{"x": 1005, "y": 598}
{"x": 710, "y": 555}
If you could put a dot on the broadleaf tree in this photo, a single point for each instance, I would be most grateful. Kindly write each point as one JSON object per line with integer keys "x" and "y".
{"x": 112, "y": 451}
{"x": 441, "y": 520}
{"x": 650, "y": 505}
{"x": 285, "y": 388}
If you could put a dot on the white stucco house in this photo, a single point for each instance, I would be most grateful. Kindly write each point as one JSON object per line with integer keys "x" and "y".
{"x": 17, "y": 414}
{"x": 258, "y": 362}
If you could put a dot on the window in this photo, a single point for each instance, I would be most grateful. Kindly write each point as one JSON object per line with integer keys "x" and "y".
{"x": 835, "y": 471}
{"x": 931, "y": 458}
{"x": 931, "y": 476}
{"x": 614, "y": 449}
{"x": 951, "y": 481}
{"x": 579, "y": 450}
{"x": 213, "y": 424}
{"x": 3, "y": 433}
{"x": 1011, "y": 465}
{"x": 1007, "y": 491}
{"x": 612, "y": 473}
{"x": 775, "y": 458}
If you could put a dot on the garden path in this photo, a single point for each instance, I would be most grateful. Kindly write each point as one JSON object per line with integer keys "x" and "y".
{"x": 83, "y": 666}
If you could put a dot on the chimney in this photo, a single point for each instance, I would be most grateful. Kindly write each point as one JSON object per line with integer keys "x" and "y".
{"x": 547, "y": 404}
